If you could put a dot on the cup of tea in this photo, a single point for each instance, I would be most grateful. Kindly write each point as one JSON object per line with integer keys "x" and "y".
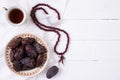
{"x": 16, "y": 16}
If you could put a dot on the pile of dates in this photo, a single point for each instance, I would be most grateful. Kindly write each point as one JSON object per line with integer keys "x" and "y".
{"x": 26, "y": 53}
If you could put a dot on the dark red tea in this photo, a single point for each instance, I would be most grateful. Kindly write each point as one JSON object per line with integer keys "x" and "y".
{"x": 16, "y": 16}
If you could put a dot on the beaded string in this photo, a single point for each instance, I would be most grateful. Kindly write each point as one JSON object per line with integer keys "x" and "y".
{"x": 50, "y": 28}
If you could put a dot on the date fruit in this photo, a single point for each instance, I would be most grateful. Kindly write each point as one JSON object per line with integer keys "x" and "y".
{"x": 28, "y": 62}
{"x": 39, "y": 60}
{"x": 28, "y": 40}
{"x": 19, "y": 53}
{"x": 31, "y": 51}
{"x": 52, "y": 72}
{"x": 25, "y": 68}
{"x": 15, "y": 43}
{"x": 17, "y": 65}
{"x": 39, "y": 48}
{"x": 12, "y": 53}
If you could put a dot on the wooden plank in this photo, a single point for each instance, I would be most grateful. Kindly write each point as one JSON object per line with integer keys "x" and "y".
{"x": 108, "y": 51}
{"x": 95, "y": 9}
{"x": 92, "y": 29}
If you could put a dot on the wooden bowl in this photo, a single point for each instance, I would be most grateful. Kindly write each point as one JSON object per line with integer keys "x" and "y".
{"x": 31, "y": 72}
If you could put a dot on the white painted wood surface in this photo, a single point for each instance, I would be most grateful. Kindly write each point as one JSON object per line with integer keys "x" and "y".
{"x": 94, "y": 27}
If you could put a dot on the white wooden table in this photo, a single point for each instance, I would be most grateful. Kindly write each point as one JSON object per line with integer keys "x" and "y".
{"x": 94, "y": 27}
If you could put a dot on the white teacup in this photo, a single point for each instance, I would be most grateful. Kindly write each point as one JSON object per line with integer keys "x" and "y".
{"x": 16, "y": 16}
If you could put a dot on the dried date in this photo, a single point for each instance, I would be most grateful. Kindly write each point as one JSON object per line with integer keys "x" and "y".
{"x": 28, "y": 62}
{"x": 19, "y": 53}
{"x": 12, "y": 53}
{"x": 39, "y": 48}
{"x": 28, "y": 40}
{"x": 31, "y": 51}
{"x": 52, "y": 72}
{"x": 16, "y": 65}
{"x": 39, "y": 60}
{"x": 15, "y": 43}
{"x": 26, "y": 68}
